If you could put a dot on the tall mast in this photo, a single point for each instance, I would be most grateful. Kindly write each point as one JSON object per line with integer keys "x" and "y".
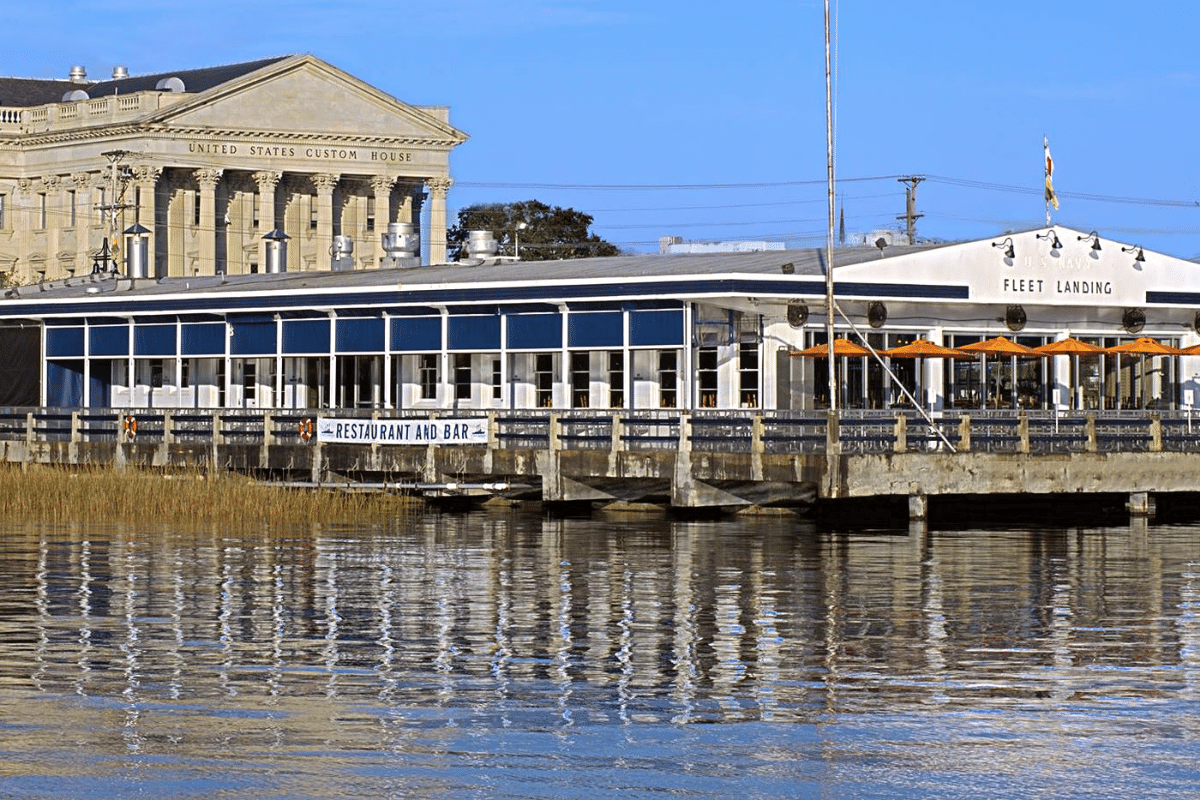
{"x": 829, "y": 238}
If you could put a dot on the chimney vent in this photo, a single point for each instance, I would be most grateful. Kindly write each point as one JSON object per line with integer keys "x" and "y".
{"x": 119, "y": 73}
{"x": 78, "y": 74}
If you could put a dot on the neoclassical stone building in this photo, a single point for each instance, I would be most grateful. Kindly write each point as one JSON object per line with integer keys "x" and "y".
{"x": 209, "y": 162}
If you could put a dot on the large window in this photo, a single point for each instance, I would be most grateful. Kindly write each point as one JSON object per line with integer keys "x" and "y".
{"x": 581, "y": 380}
{"x": 668, "y": 379}
{"x": 544, "y": 379}
{"x": 706, "y": 376}
{"x": 462, "y": 376}
{"x": 428, "y": 375}
{"x": 616, "y": 379}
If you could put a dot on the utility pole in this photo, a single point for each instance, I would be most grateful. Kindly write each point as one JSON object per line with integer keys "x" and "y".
{"x": 106, "y": 259}
{"x": 911, "y": 216}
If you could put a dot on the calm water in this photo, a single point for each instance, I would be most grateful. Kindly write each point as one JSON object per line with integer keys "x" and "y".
{"x": 499, "y": 654}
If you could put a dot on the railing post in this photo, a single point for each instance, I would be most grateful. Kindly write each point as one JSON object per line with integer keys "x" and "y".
{"x": 268, "y": 430}
{"x": 493, "y": 430}
{"x": 1022, "y": 433}
{"x": 900, "y": 435}
{"x": 218, "y": 435}
{"x": 30, "y": 438}
{"x": 1089, "y": 430}
{"x": 168, "y": 428}
{"x": 756, "y": 435}
{"x": 964, "y": 433}
{"x": 1156, "y": 433}
{"x": 833, "y": 434}
{"x": 618, "y": 433}
{"x": 554, "y": 431}
{"x": 685, "y": 432}
{"x": 76, "y": 437}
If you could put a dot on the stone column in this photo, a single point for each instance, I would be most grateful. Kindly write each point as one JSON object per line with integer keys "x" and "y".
{"x": 52, "y": 186}
{"x": 147, "y": 184}
{"x": 325, "y": 184}
{"x": 22, "y": 227}
{"x": 208, "y": 180}
{"x": 267, "y": 181}
{"x": 178, "y": 220}
{"x": 81, "y": 182}
{"x": 381, "y": 186}
{"x": 293, "y": 222}
{"x": 438, "y": 188}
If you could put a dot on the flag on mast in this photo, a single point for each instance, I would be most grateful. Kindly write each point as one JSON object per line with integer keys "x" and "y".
{"x": 1051, "y": 198}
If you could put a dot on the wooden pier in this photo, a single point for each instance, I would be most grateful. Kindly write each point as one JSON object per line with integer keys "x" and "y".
{"x": 727, "y": 460}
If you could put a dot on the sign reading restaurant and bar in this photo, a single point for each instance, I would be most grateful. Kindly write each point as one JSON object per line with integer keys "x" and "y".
{"x": 402, "y": 431}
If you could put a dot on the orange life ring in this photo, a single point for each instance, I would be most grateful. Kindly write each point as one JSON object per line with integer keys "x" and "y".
{"x": 131, "y": 427}
{"x": 306, "y": 429}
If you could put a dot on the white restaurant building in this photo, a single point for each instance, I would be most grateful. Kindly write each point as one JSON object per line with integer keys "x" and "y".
{"x": 279, "y": 229}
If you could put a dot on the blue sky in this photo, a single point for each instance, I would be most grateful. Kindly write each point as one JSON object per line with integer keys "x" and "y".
{"x": 710, "y": 117}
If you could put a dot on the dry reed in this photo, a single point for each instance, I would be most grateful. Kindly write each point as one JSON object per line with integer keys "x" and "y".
{"x": 104, "y": 494}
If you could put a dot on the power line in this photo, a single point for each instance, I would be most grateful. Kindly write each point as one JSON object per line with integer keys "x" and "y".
{"x": 635, "y": 187}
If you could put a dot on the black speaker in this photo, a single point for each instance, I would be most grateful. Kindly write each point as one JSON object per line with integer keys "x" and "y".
{"x": 1014, "y": 318}
{"x": 1133, "y": 320}
{"x": 876, "y": 314}
{"x": 797, "y": 314}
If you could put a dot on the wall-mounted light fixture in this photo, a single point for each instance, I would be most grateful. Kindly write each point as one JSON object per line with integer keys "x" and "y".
{"x": 1095, "y": 237}
{"x": 1007, "y": 246}
{"x": 1053, "y": 237}
{"x": 1135, "y": 249}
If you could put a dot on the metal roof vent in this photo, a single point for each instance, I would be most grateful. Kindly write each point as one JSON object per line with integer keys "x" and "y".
{"x": 78, "y": 74}
{"x": 481, "y": 244}
{"x": 171, "y": 84}
{"x": 75, "y": 94}
{"x": 120, "y": 73}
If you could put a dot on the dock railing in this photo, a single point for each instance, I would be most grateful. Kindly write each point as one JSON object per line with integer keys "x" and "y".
{"x": 724, "y": 431}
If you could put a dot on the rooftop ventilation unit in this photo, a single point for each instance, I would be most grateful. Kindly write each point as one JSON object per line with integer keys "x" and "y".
{"x": 401, "y": 245}
{"x": 120, "y": 73}
{"x": 481, "y": 244}
{"x": 78, "y": 74}
{"x": 171, "y": 84}
{"x": 341, "y": 254}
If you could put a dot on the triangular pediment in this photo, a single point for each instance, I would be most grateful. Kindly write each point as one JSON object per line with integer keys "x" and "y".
{"x": 304, "y": 95}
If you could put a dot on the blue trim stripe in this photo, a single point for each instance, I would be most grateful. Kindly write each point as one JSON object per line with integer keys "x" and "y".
{"x": 491, "y": 293}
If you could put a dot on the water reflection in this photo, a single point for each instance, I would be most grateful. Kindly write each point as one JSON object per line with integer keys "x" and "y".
{"x": 456, "y": 643}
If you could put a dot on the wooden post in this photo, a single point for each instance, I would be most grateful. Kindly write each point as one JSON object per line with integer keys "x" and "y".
{"x": 964, "y": 433}
{"x": 1089, "y": 427}
{"x": 1023, "y": 433}
{"x": 900, "y": 444}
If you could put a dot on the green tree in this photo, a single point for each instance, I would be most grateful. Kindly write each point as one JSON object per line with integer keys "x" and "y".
{"x": 546, "y": 232}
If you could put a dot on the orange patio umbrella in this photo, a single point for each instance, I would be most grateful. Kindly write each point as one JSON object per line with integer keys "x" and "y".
{"x": 1144, "y": 346}
{"x": 841, "y": 347}
{"x": 1070, "y": 347}
{"x": 1000, "y": 346}
{"x": 923, "y": 348}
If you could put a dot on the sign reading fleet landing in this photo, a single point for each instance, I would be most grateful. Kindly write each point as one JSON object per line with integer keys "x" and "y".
{"x": 402, "y": 431}
{"x": 1066, "y": 280}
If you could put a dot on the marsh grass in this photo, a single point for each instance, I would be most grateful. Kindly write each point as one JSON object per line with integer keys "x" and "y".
{"x": 103, "y": 494}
